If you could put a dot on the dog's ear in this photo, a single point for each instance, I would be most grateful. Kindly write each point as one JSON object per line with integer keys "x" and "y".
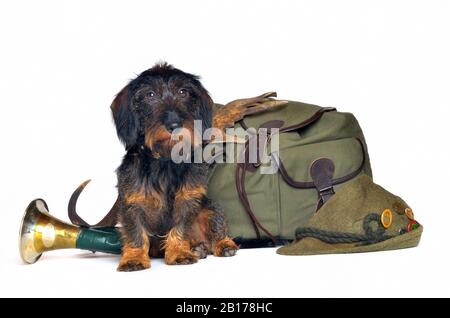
{"x": 206, "y": 106}
{"x": 126, "y": 121}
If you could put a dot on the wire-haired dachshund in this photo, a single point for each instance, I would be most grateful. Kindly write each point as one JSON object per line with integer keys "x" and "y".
{"x": 162, "y": 204}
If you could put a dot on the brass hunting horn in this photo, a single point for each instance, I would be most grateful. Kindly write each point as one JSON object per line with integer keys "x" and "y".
{"x": 41, "y": 232}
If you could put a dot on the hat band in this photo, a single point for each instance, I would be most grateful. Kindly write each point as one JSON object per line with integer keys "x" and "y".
{"x": 371, "y": 236}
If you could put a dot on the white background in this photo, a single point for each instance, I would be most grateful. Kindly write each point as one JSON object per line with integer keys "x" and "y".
{"x": 63, "y": 61}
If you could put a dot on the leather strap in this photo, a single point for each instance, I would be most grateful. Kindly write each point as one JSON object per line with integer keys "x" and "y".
{"x": 322, "y": 171}
{"x": 308, "y": 121}
{"x": 240, "y": 187}
{"x": 310, "y": 184}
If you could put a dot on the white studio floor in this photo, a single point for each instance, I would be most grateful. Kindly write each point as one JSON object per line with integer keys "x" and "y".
{"x": 252, "y": 273}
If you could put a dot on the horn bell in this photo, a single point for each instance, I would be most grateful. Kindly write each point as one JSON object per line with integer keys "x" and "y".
{"x": 41, "y": 232}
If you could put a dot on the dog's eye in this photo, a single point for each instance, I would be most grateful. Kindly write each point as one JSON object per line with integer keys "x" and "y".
{"x": 183, "y": 91}
{"x": 151, "y": 94}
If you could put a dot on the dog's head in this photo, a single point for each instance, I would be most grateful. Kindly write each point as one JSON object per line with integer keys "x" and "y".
{"x": 159, "y": 103}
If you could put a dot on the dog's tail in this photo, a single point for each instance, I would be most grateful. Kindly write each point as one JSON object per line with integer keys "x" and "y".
{"x": 109, "y": 220}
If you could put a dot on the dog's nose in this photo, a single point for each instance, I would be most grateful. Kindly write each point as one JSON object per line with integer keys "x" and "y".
{"x": 173, "y": 121}
{"x": 172, "y": 126}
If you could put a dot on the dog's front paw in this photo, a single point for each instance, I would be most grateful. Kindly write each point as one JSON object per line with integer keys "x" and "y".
{"x": 132, "y": 265}
{"x": 225, "y": 248}
{"x": 184, "y": 257}
{"x": 134, "y": 259}
{"x": 201, "y": 251}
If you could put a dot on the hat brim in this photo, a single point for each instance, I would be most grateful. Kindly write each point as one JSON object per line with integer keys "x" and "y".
{"x": 312, "y": 246}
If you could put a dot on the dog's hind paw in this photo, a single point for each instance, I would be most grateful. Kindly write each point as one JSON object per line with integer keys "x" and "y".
{"x": 225, "y": 248}
{"x": 229, "y": 251}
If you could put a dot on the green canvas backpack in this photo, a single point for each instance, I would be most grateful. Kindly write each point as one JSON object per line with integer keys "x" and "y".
{"x": 320, "y": 149}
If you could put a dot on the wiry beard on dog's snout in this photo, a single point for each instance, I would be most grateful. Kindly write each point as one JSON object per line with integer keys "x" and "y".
{"x": 161, "y": 142}
{"x": 158, "y": 141}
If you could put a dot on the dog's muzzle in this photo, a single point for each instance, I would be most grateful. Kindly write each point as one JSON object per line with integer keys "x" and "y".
{"x": 172, "y": 121}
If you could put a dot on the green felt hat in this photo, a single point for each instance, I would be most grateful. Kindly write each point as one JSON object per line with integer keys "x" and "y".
{"x": 360, "y": 217}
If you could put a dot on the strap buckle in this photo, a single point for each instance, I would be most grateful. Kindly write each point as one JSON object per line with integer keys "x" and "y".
{"x": 322, "y": 171}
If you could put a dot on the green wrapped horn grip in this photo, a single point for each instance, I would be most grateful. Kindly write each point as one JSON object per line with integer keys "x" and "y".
{"x": 106, "y": 240}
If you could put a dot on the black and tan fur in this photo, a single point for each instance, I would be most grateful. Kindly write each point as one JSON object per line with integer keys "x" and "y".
{"x": 161, "y": 201}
